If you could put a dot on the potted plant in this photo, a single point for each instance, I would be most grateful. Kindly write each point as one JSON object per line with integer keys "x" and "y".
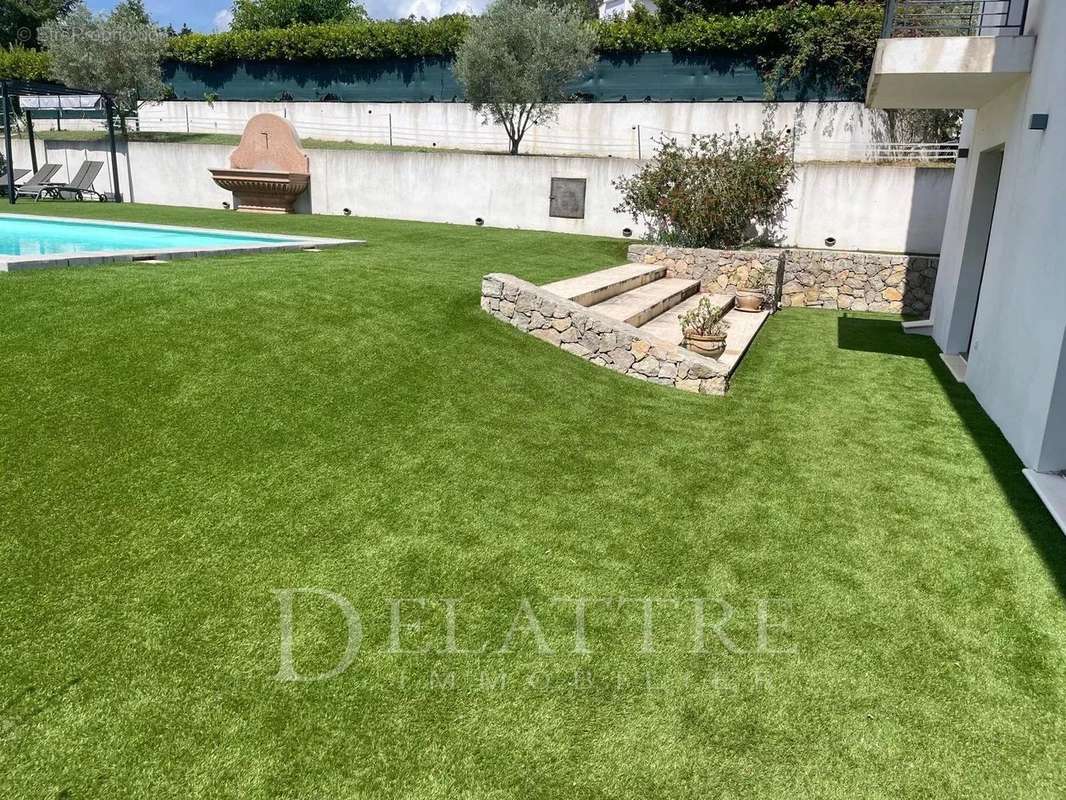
{"x": 704, "y": 329}
{"x": 753, "y": 296}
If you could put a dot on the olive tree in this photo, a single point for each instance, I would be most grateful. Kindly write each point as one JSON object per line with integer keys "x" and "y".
{"x": 118, "y": 53}
{"x": 517, "y": 59}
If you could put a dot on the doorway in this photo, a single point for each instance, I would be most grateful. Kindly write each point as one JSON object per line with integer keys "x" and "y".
{"x": 975, "y": 252}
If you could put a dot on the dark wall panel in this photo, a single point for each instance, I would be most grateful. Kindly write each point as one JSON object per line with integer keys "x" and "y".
{"x": 655, "y": 76}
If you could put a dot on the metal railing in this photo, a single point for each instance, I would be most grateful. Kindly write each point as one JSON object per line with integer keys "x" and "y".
{"x": 641, "y": 142}
{"x": 921, "y": 18}
{"x": 880, "y": 152}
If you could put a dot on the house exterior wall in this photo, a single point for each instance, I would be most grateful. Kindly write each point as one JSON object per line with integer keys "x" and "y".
{"x": 623, "y": 8}
{"x": 1015, "y": 364}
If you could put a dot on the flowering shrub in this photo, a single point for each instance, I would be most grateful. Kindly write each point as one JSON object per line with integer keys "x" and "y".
{"x": 722, "y": 191}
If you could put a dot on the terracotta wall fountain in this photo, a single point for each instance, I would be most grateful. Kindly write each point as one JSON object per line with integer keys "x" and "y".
{"x": 269, "y": 168}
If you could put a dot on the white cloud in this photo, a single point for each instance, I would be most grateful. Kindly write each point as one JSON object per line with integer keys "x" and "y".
{"x": 223, "y": 19}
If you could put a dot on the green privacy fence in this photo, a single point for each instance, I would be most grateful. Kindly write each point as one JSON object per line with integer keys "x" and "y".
{"x": 645, "y": 76}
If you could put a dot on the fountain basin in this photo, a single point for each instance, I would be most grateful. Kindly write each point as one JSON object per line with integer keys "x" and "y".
{"x": 269, "y": 169}
{"x": 263, "y": 190}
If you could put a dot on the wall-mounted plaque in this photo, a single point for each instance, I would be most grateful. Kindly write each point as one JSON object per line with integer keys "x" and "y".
{"x": 567, "y": 198}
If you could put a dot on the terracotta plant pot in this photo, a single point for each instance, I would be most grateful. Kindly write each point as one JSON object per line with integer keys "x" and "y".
{"x": 750, "y": 301}
{"x": 710, "y": 346}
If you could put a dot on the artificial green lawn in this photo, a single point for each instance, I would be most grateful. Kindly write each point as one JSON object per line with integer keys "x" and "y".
{"x": 177, "y": 441}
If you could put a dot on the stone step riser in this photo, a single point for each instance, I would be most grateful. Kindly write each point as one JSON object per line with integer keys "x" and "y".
{"x": 607, "y": 292}
{"x": 648, "y": 314}
{"x": 588, "y": 290}
{"x": 667, "y": 326}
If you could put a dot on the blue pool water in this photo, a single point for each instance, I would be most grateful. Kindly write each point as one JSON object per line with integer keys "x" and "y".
{"x": 33, "y": 237}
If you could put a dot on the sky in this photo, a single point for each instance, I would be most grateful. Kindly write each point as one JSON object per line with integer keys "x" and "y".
{"x": 212, "y": 15}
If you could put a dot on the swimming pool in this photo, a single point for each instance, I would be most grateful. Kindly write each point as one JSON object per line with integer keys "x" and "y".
{"x": 31, "y": 241}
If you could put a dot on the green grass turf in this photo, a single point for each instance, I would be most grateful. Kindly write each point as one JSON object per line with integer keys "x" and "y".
{"x": 177, "y": 441}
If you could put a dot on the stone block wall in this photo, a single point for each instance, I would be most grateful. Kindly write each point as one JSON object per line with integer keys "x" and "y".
{"x": 859, "y": 281}
{"x": 716, "y": 270}
{"x": 597, "y": 338}
{"x": 897, "y": 284}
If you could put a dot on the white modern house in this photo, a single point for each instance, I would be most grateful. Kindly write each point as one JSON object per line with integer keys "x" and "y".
{"x": 999, "y": 310}
{"x": 623, "y": 8}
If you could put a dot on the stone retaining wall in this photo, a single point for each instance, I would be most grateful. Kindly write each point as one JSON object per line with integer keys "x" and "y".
{"x": 897, "y": 284}
{"x": 597, "y": 338}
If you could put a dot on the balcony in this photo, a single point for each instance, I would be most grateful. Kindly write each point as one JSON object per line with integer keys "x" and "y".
{"x": 943, "y": 54}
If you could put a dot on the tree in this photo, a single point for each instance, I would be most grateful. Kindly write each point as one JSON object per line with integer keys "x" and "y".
{"x": 119, "y": 53}
{"x": 588, "y": 9}
{"x": 131, "y": 12}
{"x": 722, "y": 191}
{"x": 185, "y": 30}
{"x": 21, "y": 19}
{"x": 516, "y": 61}
{"x": 676, "y": 10}
{"x": 251, "y": 15}
{"x": 826, "y": 53}
{"x": 933, "y": 125}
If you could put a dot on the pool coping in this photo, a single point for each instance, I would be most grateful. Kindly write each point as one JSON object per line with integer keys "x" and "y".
{"x": 99, "y": 257}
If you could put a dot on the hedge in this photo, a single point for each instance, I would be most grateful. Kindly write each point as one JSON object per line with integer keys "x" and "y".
{"x": 816, "y": 48}
{"x": 360, "y": 41}
{"x": 21, "y": 64}
{"x": 767, "y": 29}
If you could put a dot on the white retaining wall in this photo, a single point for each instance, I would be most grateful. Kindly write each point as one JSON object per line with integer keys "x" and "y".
{"x": 864, "y": 207}
{"x": 824, "y": 131}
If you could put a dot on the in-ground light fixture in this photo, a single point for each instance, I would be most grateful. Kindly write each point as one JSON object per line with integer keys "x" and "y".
{"x": 225, "y": 205}
{"x": 479, "y": 222}
{"x": 627, "y": 232}
{"x": 347, "y": 212}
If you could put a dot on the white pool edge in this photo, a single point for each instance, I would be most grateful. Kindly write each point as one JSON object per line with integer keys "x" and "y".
{"x": 99, "y": 257}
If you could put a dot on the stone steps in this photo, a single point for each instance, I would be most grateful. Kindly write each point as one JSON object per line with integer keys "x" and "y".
{"x": 642, "y": 296}
{"x": 588, "y": 290}
{"x": 743, "y": 325}
{"x": 643, "y": 304}
{"x": 667, "y": 326}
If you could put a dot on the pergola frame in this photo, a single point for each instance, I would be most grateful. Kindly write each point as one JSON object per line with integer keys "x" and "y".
{"x": 13, "y": 88}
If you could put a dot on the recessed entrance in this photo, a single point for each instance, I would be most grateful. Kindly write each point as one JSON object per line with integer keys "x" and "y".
{"x": 975, "y": 252}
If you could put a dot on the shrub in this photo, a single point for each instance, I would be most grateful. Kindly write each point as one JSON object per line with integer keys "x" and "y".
{"x": 17, "y": 63}
{"x": 722, "y": 191}
{"x": 704, "y": 320}
{"x": 361, "y": 41}
{"x": 824, "y": 49}
{"x": 674, "y": 10}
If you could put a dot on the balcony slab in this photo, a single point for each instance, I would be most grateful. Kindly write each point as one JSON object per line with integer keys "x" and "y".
{"x": 947, "y": 71}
